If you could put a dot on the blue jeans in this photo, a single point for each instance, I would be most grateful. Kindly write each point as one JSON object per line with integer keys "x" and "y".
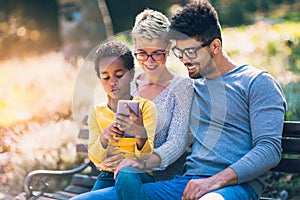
{"x": 105, "y": 179}
{"x": 129, "y": 183}
{"x": 173, "y": 189}
{"x": 129, "y": 176}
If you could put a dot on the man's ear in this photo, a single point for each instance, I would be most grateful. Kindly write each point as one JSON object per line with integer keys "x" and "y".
{"x": 216, "y": 46}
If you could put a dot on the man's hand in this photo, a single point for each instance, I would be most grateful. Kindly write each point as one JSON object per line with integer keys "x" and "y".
{"x": 196, "y": 188}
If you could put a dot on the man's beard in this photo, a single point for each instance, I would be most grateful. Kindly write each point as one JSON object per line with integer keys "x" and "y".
{"x": 196, "y": 74}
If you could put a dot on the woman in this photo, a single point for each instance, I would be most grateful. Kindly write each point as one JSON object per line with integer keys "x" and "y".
{"x": 172, "y": 95}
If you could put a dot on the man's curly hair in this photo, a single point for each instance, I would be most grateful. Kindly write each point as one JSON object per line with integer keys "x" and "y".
{"x": 114, "y": 49}
{"x": 198, "y": 20}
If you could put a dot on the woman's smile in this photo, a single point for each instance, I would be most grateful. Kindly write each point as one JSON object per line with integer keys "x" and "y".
{"x": 151, "y": 67}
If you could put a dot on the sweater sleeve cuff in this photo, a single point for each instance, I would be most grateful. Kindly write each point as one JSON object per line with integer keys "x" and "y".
{"x": 145, "y": 152}
{"x": 163, "y": 161}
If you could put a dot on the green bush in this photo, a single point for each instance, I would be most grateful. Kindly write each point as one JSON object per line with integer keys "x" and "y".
{"x": 293, "y": 101}
{"x": 295, "y": 55}
{"x": 277, "y": 183}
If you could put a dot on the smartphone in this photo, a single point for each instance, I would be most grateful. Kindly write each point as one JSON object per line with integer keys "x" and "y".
{"x": 133, "y": 105}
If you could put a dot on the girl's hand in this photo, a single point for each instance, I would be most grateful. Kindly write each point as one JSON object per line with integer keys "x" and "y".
{"x": 111, "y": 133}
{"x": 132, "y": 124}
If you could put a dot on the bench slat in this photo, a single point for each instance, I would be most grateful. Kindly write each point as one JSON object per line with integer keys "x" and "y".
{"x": 288, "y": 166}
{"x": 51, "y": 196}
{"x": 291, "y": 129}
{"x": 76, "y": 189}
{"x": 66, "y": 194}
{"x": 81, "y": 148}
{"x": 291, "y": 146}
{"x": 83, "y": 133}
{"x": 83, "y": 180}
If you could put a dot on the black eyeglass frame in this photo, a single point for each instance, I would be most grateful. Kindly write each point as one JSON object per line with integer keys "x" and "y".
{"x": 150, "y": 55}
{"x": 194, "y": 49}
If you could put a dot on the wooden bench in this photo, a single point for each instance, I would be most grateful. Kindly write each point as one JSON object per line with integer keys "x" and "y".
{"x": 83, "y": 180}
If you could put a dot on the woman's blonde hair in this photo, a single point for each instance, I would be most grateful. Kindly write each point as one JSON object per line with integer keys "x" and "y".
{"x": 151, "y": 24}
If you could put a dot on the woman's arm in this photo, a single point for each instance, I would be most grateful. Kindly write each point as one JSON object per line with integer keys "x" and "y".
{"x": 178, "y": 138}
{"x": 149, "y": 120}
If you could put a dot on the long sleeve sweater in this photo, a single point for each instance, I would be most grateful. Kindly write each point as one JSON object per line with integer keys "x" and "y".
{"x": 173, "y": 107}
{"x": 237, "y": 122}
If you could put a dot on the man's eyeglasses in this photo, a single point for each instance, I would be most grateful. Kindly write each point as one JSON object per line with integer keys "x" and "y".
{"x": 157, "y": 56}
{"x": 190, "y": 52}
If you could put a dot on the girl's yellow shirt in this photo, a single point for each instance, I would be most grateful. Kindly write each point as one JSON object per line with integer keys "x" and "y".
{"x": 101, "y": 116}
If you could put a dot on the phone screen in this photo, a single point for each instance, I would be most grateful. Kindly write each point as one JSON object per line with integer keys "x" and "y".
{"x": 133, "y": 105}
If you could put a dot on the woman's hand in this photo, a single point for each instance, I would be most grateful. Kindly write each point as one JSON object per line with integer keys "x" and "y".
{"x": 129, "y": 162}
{"x": 111, "y": 161}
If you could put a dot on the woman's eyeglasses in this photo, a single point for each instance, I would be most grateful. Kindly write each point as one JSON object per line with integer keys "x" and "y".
{"x": 143, "y": 56}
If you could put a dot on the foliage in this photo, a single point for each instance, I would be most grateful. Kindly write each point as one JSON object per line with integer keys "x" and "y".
{"x": 39, "y": 88}
{"x": 28, "y": 27}
{"x": 123, "y": 13}
{"x": 295, "y": 55}
{"x": 41, "y": 146}
{"x": 293, "y": 101}
{"x": 236, "y": 13}
{"x": 36, "y": 127}
{"x": 278, "y": 183}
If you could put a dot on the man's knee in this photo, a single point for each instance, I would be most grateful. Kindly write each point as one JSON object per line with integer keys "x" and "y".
{"x": 212, "y": 196}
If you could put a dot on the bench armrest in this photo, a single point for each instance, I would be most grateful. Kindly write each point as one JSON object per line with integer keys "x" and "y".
{"x": 51, "y": 173}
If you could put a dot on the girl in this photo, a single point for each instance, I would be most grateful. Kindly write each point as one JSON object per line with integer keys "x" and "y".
{"x": 114, "y": 66}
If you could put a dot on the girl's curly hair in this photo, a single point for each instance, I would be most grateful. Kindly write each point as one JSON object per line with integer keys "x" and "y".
{"x": 114, "y": 49}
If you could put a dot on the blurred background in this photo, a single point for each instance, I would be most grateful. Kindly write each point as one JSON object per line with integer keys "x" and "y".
{"x": 43, "y": 44}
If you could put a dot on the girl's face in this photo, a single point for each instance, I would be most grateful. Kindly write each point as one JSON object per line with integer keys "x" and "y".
{"x": 158, "y": 48}
{"x": 115, "y": 77}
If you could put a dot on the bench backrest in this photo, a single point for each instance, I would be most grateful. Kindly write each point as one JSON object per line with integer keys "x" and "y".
{"x": 83, "y": 137}
{"x": 289, "y": 163}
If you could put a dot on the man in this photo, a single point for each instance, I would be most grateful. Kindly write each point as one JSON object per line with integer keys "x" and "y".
{"x": 236, "y": 117}
{"x": 240, "y": 111}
